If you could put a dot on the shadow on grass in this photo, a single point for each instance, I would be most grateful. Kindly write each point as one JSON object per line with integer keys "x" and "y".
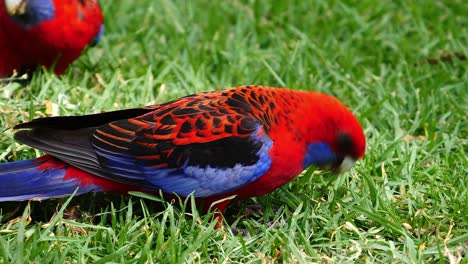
{"x": 91, "y": 207}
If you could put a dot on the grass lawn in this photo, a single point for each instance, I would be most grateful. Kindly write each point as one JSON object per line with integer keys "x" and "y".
{"x": 399, "y": 65}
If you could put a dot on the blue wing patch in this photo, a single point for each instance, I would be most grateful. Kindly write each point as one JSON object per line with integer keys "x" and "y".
{"x": 202, "y": 180}
{"x": 210, "y": 181}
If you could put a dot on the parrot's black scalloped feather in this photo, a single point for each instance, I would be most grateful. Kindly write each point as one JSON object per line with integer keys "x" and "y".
{"x": 77, "y": 122}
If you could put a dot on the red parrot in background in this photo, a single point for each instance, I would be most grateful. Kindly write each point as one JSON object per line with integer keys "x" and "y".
{"x": 51, "y": 33}
{"x": 245, "y": 141}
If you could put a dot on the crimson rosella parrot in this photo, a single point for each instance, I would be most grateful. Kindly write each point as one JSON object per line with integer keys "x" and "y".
{"x": 245, "y": 141}
{"x": 51, "y": 33}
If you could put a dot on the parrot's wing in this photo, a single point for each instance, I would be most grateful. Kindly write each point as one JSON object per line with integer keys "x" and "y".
{"x": 183, "y": 151}
{"x": 177, "y": 147}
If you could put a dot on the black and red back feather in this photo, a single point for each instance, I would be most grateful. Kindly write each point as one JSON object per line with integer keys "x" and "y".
{"x": 196, "y": 140}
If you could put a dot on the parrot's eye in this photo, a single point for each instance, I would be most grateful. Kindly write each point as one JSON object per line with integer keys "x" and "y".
{"x": 344, "y": 160}
{"x": 344, "y": 143}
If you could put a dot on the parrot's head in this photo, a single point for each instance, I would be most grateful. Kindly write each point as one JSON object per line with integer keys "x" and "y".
{"x": 334, "y": 138}
{"x": 28, "y": 13}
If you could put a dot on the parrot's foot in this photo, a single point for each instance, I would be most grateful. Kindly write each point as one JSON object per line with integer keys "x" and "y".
{"x": 245, "y": 233}
{"x": 254, "y": 209}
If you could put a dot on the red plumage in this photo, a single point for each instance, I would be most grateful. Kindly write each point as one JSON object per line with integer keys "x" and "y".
{"x": 54, "y": 42}
{"x": 245, "y": 141}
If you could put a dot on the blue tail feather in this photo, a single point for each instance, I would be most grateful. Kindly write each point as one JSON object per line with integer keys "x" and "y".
{"x": 25, "y": 180}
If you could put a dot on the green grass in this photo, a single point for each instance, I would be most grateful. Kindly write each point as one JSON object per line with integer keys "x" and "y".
{"x": 394, "y": 63}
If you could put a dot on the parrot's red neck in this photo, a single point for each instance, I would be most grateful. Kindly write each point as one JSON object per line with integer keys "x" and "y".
{"x": 320, "y": 118}
{"x": 293, "y": 121}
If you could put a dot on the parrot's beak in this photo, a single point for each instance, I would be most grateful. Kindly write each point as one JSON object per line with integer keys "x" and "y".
{"x": 345, "y": 165}
{"x": 16, "y": 7}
